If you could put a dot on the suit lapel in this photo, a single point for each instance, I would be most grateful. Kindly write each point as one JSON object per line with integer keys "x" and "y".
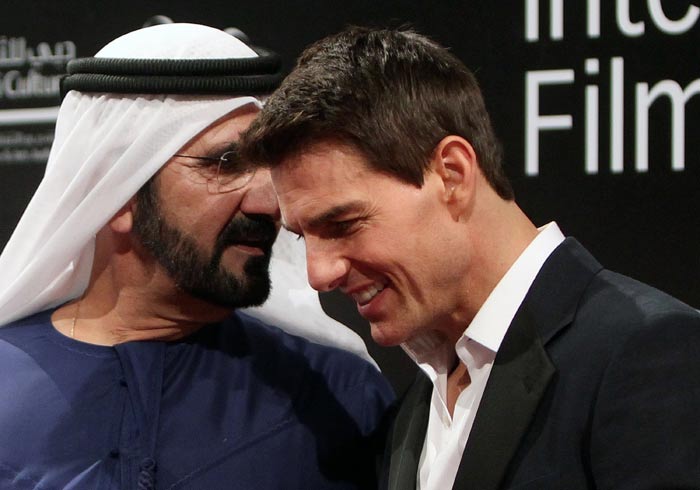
{"x": 519, "y": 377}
{"x": 408, "y": 435}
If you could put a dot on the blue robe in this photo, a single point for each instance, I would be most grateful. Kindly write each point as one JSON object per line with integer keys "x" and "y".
{"x": 237, "y": 405}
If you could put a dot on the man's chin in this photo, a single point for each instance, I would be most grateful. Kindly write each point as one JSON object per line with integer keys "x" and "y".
{"x": 384, "y": 335}
{"x": 241, "y": 298}
{"x": 255, "y": 294}
{"x": 236, "y": 286}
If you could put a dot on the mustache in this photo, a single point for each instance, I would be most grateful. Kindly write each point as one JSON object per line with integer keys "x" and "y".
{"x": 255, "y": 230}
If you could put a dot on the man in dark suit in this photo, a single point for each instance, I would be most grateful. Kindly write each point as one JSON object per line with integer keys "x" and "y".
{"x": 539, "y": 368}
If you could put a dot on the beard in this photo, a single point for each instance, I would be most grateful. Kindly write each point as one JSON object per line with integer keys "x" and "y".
{"x": 200, "y": 274}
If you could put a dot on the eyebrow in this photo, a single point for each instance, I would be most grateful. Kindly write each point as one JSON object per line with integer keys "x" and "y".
{"x": 228, "y": 146}
{"x": 334, "y": 213}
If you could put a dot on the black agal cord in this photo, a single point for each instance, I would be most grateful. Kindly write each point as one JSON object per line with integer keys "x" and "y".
{"x": 225, "y": 76}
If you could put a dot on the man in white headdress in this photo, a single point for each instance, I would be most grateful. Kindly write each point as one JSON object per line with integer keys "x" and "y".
{"x": 126, "y": 361}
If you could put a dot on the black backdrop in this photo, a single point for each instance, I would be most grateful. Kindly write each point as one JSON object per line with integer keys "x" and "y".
{"x": 587, "y": 75}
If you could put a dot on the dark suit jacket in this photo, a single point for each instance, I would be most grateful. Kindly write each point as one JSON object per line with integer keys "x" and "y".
{"x": 596, "y": 386}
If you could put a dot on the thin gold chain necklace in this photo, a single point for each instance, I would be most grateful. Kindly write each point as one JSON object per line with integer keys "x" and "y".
{"x": 75, "y": 319}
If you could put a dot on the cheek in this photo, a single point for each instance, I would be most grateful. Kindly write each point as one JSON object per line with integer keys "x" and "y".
{"x": 391, "y": 251}
{"x": 432, "y": 253}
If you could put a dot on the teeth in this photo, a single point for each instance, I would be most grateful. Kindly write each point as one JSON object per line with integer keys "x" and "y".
{"x": 367, "y": 295}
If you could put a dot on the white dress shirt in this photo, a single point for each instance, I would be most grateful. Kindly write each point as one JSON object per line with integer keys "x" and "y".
{"x": 447, "y": 436}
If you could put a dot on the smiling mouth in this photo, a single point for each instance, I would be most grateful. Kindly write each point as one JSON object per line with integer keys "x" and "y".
{"x": 366, "y": 295}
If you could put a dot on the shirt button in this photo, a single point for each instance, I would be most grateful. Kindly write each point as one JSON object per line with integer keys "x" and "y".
{"x": 122, "y": 382}
{"x": 114, "y": 453}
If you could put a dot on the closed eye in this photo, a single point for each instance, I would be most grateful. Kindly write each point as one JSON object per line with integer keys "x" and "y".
{"x": 339, "y": 229}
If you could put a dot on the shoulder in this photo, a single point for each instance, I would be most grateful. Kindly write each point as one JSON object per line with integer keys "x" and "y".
{"x": 326, "y": 384}
{"x": 626, "y": 305}
{"x": 23, "y": 326}
{"x": 642, "y": 318}
{"x": 27, "y": 356}
{"x": 578, "y": 287}
{"x": 25, "y": 333}
{"x": 339, "y": 368}
{"x": 623, "y": 329}
{"x": 617, "y": 323}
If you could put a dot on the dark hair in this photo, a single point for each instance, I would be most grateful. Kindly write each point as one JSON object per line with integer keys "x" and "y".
{"x": 393, "y": 95}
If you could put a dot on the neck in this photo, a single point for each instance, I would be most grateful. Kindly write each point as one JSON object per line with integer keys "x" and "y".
{"x": 124, "y": 303}
{"x": 497, "y": 233}
{"x": 134, "y": 315}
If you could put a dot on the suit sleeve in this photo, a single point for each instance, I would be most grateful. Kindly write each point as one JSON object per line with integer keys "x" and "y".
{"x": 646, "y": 422}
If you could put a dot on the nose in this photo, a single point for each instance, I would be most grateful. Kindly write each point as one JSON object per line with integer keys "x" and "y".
{"x": 260, "y": 197}
{"x": 326, "y": 267}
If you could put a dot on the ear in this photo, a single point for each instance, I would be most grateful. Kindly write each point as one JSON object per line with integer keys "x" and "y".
{"x": 454, "y": 161}
{"x": 123, "y": 220}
